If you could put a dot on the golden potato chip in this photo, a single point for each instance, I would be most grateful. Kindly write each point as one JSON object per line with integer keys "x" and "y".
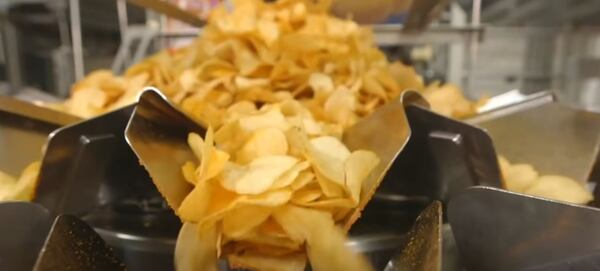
{"x": 263, "y": 142}
{"x": 328, "y": 154}
{"x": 358, "y": 166}
{"x": 212, "y": 160}
{"x": 560, "y": 188}
{"x": 258, "y": 176}
{"x": 196, "y": 248}
{"x": 195, "y": 205}
{"x": 188, "y": 170}
{"x": 519, "y": 177}
{"x": 243, "y": 219}
{"x": 303, "y": 196}
{"x": 340, "y": 107}
{"x": 269, "y": 118}
{"x": 24, "y": 188}
{"x": 330, "y": 203}
{"x": 322, "y": 238}
{"x": 303, "y": 179}
{"x": 290, "y": 176}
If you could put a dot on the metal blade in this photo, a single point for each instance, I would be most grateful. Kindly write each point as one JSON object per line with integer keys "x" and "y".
{"x": 73, "y": 245}
{"x": 157, "y": 133}
{"x": 500, "y": 230}
{"x": 23, "y": 228}
{"x": 80, "y": 158}
{"x": 442, "y": 157}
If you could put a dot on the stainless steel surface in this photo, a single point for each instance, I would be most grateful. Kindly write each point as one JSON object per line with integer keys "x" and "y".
{"x": 422, "y": 13}
{"x": 442, "y": 158}
{"x": 90, "y": 171}
{"x": 170, "y": 10}
{"x": 554, "y": 138}
{"x": 24, "y": 128}
{"x": 76, "y": 43}
{"x": 73, "y": 245}
{"x": 508, "y": 103}
{"x": 23, "y": 229}
{"x": 423, "y": 249}
{"x": 500, "y": 230}
{"x": 392, "y": 35}
{"x": 157, "y": 133}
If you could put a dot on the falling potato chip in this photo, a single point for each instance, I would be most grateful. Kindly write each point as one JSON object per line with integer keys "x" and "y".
{"x": 196, "y": 248}
{"x": 322, "y": 238}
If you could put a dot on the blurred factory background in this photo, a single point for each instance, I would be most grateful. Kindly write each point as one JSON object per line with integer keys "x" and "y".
{"x": 486, "y": 47}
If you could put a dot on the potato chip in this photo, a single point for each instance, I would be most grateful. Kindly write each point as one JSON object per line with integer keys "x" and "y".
{"x": 243, "y": 219}
{"x": 290, "y": 176}
{"x": 7, "y": 186}
{"x": 358, "y": 166}
{"x": 263, "y": 142}
{"x": 258, "y": 176}
{"x": 328, "y": 154}
{"x": 303, "y": 179}
{"x": 322, "y": 238}
{"x": 196, "y": 203}
{"x": 303, "y": 196}
{"x": 212, "y": 160}
{"x": 523, "y": 178}
{"x": 269, "y": 118}
{"x": 188, "y": 170}
{"x": 560, "y": 188}
{"x": 24, "y": 188}
{"x": 519, "y": 177}
{"x": 196, "y": 248}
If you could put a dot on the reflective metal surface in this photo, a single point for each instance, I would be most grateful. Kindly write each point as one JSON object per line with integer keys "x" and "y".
{"x": 73, "y": 245}
{"x": 442, "y": 158}
{"x": 24, "y": 128}
{"x": 90, "y": 171}
{"x": 500, "y": 230}
{"x": 157, "y": 133}
{"x": 23, "y": 228}
{"x": 554, "y": 138}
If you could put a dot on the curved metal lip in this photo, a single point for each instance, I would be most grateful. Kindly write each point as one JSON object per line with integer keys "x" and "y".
{"x": 363, "y": 244}
{"x": 136, "y": 242}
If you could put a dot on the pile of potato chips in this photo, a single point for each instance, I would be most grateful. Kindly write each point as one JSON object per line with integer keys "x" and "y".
{"x": 270, "y": 186}
{"x": 523, "y": 178}
{"x": 262, "y": 53}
